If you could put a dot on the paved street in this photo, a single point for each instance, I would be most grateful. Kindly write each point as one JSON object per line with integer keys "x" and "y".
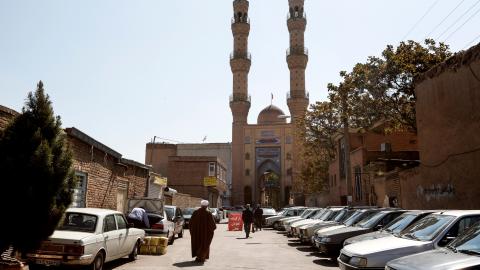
{"x": 267, "y": 249}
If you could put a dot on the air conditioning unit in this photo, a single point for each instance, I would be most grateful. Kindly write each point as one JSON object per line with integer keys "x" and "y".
{"x": 386, "y": 147}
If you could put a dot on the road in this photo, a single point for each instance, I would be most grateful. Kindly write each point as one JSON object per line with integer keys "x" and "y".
{"x": 266, "y": 249}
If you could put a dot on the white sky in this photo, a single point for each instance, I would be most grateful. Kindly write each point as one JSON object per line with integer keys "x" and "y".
{"x": 125, "y": 71}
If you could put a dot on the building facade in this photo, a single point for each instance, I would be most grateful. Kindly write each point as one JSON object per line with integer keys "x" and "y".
{"x": 266, "y": 159}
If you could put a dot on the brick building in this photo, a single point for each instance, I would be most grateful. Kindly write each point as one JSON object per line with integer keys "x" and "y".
{"x": 105, "y": 179}
{"x": 6, "y": 115}
{"x": 373, "y": 153}
{"x": 448, "y": 121}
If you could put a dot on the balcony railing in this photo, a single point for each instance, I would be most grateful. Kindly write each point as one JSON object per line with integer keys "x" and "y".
{"x": 300, "y": 50}
{"x": 240, "y": 20}
{"x": 240, "y": 97}
{"x": 296, "y": 15}
{"x": 298, "y": 95}
{"x": 240, "y": 55}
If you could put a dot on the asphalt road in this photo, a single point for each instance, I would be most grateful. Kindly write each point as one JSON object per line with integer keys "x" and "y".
{"x": 266, "y": 249}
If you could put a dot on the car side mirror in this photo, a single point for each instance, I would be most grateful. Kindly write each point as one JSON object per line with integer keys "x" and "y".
{"x": 378, "y": 227}
{"x": 447, "y": 239}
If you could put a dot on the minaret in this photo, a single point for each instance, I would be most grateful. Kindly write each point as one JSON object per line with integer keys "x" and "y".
{"x": 297, "y": 98}
{"x": 240, "y": 61}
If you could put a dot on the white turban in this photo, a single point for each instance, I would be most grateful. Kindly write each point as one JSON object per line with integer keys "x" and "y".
{"x": 204, "y": 203}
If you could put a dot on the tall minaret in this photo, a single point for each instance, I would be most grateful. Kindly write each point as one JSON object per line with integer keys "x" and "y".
{"x": 297, "y": 98}
{"x": 240, "y": 100}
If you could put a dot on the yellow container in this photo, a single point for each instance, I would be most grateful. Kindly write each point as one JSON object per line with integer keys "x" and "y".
{"x": 147, "y": 240}
{"x": 154, "y": 241}
{"x": 144, "y": 250}
{"x": 152, "y": 250}
{"x": 163, "y": 241}
{"x": 162, "y": 251}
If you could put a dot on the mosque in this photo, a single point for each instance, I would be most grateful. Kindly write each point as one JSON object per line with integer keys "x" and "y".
{"x": 266, "y": 162}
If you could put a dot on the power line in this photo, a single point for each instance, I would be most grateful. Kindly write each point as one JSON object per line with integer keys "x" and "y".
{"x": 471, "y": 42}
{"x": 421, "y": 19}
{"x": 458, "y": 19}
{"x": 444, "y": 19}
{"x": 469, "y": 18}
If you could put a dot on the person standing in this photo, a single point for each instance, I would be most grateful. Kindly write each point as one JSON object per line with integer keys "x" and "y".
{"x": 139, "y": 218}
{"x": 258, "y": 217}
{"x": 201, "y": 227}
{"x": 247, "y": 217}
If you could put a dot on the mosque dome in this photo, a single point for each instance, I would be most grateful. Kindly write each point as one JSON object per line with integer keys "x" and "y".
{"x": 270, "y": 115}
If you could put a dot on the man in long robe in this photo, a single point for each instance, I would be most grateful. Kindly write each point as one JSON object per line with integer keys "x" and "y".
{"x": 201, "y": 227}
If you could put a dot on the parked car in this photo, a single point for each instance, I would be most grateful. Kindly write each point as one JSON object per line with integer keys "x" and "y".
{"x": 433, "y": 231}
{"x": 174, "y": 214}
{"x": 331, "y": 242}
{"x": 160, "y": 225}
{"x": 307, "y": 231}
{"x": 308, "y": 213}
{"x": 394, "y": 227}
{"x": 267, "y": 212}
{"x": 187, "y": 214}
{"x": 89, "y": 236}
{"x": 328, "y": 215}
{"x": 289, "y": 212}
{"x": 461, "y": 253}
{"x": 216, "y": 214}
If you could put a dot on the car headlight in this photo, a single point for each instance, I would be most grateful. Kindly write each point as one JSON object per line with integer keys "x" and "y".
{"x": 389, "y": 268}
{"x": 326, "y": 239}
{"x": 358, "y": 261}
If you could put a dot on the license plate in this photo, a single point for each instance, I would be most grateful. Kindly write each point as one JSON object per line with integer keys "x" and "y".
{"x": 47, "y": 262}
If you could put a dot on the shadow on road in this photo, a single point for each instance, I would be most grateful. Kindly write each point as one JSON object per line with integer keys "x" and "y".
{"x": 326, "y": 262}
{"x": 305, "y": 249}
{"x": 187, "y": 264}
{"x": 116, "y": 263}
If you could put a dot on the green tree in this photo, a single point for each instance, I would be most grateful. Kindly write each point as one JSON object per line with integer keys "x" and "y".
{"x": 37, "y": 177}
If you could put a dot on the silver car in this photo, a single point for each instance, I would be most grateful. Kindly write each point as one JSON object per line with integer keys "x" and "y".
{"x": 461, "y": 253}
{"x": 433, "y": 231}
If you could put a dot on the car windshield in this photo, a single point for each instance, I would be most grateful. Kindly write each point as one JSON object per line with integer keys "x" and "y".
{"x": 400, "y": 223}
{"x": 427, "y": 228}
{"x": 188, "y": 211}
{"x": 170, "y": 212}
{"x": 325, "y": 215}
{"x": 315, "y": 213}
{"x": 469, "y": 242}
{"x": 341, "y": 215}
{"x": 269, "y": 211}
{"x": 78, "y": 222}
{"x": 306, "y": 213}
{"x": 371, "y": 220}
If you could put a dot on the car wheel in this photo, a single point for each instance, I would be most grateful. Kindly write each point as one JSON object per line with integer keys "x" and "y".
{"x": 133, "y": 256}
{"x": 180, "y": 235}
{"x": 276, "y": 225}
{"x": 98, "y": 262}
{"x": 172, "y": 239}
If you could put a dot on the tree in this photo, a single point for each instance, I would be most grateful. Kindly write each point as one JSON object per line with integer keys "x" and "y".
{"x": 37, "y": 177}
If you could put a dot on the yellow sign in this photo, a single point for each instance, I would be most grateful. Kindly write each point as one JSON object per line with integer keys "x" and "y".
{"x": 160, "y": 180}
{"x": 210, "y": 181}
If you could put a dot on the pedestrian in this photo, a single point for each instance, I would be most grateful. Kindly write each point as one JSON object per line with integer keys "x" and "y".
{"x": 247, "y": 217}
{"x": 258, "y": 217}
{"x": 201, "y": 227}
{"x": 139, "y": 217}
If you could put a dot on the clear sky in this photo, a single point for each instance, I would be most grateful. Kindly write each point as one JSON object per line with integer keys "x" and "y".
{"x": 125, "y": 71}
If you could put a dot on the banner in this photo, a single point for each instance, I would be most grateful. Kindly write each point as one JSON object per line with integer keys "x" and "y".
{"x": 235, "y": 222}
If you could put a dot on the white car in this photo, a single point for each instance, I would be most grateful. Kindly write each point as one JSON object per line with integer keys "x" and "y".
{"x": 433, "y": 231}
{"x": 89, "y": 236}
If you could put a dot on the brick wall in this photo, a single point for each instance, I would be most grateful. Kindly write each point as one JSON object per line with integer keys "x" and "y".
{"x": 185, "y": 200}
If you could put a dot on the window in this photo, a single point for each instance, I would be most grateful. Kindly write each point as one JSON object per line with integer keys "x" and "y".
{"x": 80, "y": 190}
{"x": 247, "y": 139}
{"x": 122, "y": 224}
{"x": 247, "y": 172}
{"x": 289, "y": 156}
{"x": 211, "y": 169}
{"x": 109, "y": 224}
{"x": 247, "y": 156}
{"x": 78, "y": 222}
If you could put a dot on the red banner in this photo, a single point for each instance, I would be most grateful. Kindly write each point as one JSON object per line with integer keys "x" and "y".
{"x": 235, "y": 222}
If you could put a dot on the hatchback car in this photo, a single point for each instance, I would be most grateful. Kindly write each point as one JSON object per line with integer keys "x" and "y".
{"x": 433, "y": 231}
{"x": 160, "y": 225}
{"x": 174, "y": 214}
{"x": 187, "y": 215}
{"x": 89, "y": 236}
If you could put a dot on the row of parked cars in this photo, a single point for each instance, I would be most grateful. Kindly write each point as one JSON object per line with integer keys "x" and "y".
{"x": 387, "y": 238}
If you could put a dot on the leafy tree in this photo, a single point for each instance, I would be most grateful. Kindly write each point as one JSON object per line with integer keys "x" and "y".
{"x": 37, "y": 179}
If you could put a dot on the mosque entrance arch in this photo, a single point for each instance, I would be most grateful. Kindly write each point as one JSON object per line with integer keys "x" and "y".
{"x": 268, "y": 184}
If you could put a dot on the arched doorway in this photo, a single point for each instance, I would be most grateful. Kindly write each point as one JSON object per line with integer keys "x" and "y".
{"x": 268, "y": 185}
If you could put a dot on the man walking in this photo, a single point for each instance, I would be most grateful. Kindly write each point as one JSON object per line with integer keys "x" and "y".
{"x": 201, "y": 227}
{"x": 258, "y": 217}
{"x": 247, "y": 217}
